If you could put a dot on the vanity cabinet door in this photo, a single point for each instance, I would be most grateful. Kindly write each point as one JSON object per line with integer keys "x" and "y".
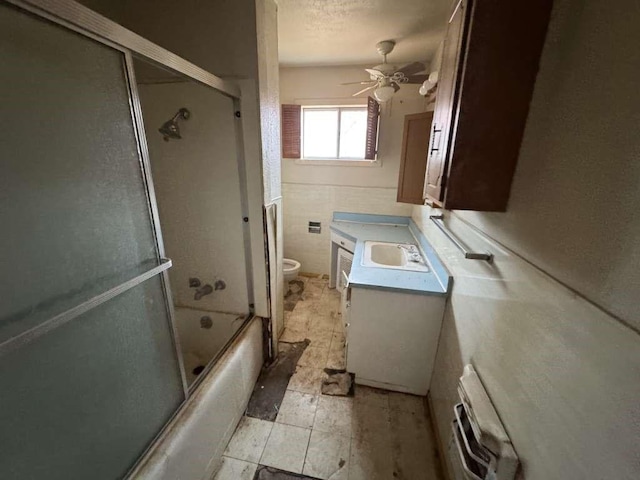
{"x": 446, "y": 103}
{"x": 413, "y": 160}
{"x": 345, "y": 309}
{"x": 346, "y": 315}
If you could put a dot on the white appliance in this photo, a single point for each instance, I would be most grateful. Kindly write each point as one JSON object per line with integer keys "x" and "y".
{"x": 345, "y": 260}
{"x": 338, "y": 242}
{"x": 479, "y": 448}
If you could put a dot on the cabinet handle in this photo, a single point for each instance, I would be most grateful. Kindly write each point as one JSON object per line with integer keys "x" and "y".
{"x": 433, "y": 140}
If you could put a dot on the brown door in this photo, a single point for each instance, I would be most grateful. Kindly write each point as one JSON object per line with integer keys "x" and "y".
{"x": 413, "y": 161}
{"x": 443, "y": 119}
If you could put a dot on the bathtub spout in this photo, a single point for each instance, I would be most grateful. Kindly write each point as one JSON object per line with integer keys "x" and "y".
{"x": 202, "y": 291}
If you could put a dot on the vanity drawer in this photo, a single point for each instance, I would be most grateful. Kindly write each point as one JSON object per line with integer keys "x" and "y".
{"x": 343, "y": 242}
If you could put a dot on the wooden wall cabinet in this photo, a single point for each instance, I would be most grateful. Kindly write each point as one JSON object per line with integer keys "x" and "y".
{"x": 413, "y": 160}
{"x": 489, "y": 65}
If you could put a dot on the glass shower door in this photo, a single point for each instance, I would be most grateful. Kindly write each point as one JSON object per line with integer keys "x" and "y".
{"x": 89, "y": 372}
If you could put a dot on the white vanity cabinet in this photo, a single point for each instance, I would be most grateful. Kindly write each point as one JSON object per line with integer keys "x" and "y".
{"x": 345, "y": 313}
{"x": 342, "y": 249}
{"x": 392, "y": 336}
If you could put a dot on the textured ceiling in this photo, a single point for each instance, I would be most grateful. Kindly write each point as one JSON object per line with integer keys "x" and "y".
{"x": 345, "y": 32}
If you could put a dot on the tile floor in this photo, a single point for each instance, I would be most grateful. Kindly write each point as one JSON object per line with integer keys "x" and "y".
{"x": 374, "y": 435}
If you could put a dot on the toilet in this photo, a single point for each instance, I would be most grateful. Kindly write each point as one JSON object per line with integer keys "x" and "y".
{"x": 290, "y": 269}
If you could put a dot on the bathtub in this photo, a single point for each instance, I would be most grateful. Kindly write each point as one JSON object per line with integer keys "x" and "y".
{"x": 191, "y": 446}
{"x": 202, "y": 335}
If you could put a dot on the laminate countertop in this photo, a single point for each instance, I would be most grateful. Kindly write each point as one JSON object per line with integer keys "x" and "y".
{"x": 360, "y": 228}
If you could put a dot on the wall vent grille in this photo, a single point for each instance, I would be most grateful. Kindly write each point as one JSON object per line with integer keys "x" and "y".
{"x": 315, "y": 227}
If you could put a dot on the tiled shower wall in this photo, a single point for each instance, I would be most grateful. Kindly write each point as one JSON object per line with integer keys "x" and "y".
{"x": 192, "y": 178}
{"x": 562, "y": 374}
{"x": 316, "y": 203}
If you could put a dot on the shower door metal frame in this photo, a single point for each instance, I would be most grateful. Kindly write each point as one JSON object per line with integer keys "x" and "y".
{"x": 82, "y": 20}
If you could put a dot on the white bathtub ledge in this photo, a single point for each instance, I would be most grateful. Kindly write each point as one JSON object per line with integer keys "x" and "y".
{"x": 192, "y": 446}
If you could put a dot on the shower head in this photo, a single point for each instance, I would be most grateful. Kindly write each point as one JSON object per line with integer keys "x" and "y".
{"x": 170, "y": 128}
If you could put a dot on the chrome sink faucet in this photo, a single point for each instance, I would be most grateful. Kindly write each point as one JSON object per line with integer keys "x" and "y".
{"x": 412, "y": 253}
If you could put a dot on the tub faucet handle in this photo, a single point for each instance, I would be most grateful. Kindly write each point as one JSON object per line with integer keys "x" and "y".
{"x": 202, "y": 291}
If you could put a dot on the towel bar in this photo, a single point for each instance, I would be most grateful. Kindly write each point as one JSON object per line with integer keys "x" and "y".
{"x": 467, "y": 254}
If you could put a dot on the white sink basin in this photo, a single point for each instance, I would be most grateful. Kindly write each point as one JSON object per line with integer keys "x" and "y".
{"x": 400, "y": 256}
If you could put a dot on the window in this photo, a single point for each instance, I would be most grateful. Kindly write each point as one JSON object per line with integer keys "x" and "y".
{"x": 334, "y": 132}
{"x": 346, "y": 134}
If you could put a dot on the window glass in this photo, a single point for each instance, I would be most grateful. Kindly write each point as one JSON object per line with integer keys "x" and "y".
{"x": 353, "y": 131}
{"x": 320, "y": 133}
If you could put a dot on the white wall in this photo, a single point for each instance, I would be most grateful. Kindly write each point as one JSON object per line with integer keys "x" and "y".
{"x": 268, "y": 74}
{"x": 305, "y": 85}
{"x": 198, "y": 192}
{"x": 312, "y": 192}
{"x": 304, "y": 203}
{"x": 574, "y": 203}
{"x": 564, "y": 374}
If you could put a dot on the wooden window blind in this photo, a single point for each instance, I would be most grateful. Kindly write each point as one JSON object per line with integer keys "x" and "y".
{"x": 291, "y": 135}
{"x": 373, "y": 115}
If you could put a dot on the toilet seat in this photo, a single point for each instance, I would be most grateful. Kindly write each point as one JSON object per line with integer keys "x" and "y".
{"x": 290, "y": 269}
{"x": 289, "y": 265}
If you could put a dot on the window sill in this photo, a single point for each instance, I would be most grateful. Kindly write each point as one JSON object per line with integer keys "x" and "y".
{"x": 336, "y": 162}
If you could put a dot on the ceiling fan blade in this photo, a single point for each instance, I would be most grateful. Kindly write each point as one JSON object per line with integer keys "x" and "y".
{"x": 375, "y": 73}
{"x": 359, "y": 83}
{"x": 417, "y": 78}
{"x": 412, "y": 68}
{"x": 364, "y": 90}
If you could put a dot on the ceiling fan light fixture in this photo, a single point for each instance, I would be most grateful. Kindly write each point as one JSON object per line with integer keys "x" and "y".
{"x": 385, "y": 79}
{"x": 383, "y": 94}
{"x": 385, "y": 47}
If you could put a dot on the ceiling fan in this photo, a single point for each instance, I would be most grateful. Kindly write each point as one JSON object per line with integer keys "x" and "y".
{"x": 386, "y": 78}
